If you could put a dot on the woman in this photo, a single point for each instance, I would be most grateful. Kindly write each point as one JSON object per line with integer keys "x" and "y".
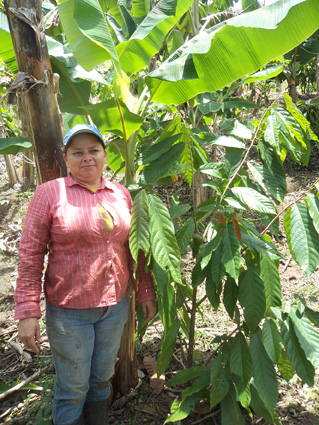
{"x": 83, "y": 222}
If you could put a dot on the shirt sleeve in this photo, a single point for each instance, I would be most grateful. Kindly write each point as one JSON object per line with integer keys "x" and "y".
{"x": 32, "y": 250}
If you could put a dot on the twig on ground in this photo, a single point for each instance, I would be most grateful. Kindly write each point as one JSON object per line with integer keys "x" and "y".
{"x": 211, "y": 415}
{"x": 179, "y": 361}
{"x": 6, "y": 413}
{"x": 25, "y": 382}
{"x": 287, "y": 264}
{"x": 8, "y": 331}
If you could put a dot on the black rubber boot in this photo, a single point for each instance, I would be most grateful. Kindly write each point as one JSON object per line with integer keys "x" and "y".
{"x": 79, "y": 421}
{"x": 96, "y": 413}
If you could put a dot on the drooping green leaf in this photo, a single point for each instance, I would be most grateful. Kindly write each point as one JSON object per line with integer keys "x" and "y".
{"x": 89, "y": 37}
{"x": 270, "y": 276}
{"x": 217, "y": 270}
{"x": 233, "y": 158}
{"x": 299, "y": 117}
{"x": 272, "y": 179}
{"x": 209, "y": 107}
{"x": 139, "y": 233}
{"x": 184, "y": 236}
{"x": 303, "y": 240}
{"x": 163, "y": 242}
{"x": 313, "y": 208}
{"x": 240, "y": 360}
{"x": 230, "y": 256}
{"x": 219, "y": 379}
{"x": 264, "y": 373}
{"x": 254, "y": 200}
{"x": 313, "y": 316}
{"x": 174, "y": 40}
{"x": 259, "y": 406}
{"x": 230, "y": 296}
{"x": 285, "y": 366}
{"x": 166, "y": 300}
{"x": 177, "y": 210}
{"x": 167, "y": 346}
{"x": 231, "y": 413}
{"x": 219, "y": 55}
{"x": 260, "y": 245}
{"x": 155, "y": 151}
{"x": 75, "y": 82}
{"x": 206, "y": 249}
{"x": 307, "y": 335}
{"x": 140, "y": 8}
{"x": 199, "y": 384}
{"x": 160, "y": 166}
{"x": 252, "y": 296}
{"x": 187, "y": 375}
{"x": 113, "y": 116}
{"x": 235, "y": 128}
{"x": 271, "y": 134}
{"x": 147, "y": 40}
{"x": 228, "y": 141}
{"x": 270, "y": 71}
{"x": 213, "y": 291}
{"x": 295, "y": 352}
{"x": 13, "y": 145}
{"x": 180, "y": 410}
{"x": 272, "y": 340}
{"x": 291, "y": 135}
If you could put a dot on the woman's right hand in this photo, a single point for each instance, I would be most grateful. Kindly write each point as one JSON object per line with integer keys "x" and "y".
{"x": 29, "y": 333}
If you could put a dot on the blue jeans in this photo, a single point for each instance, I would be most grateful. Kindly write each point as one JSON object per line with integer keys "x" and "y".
{"x": 84, "y": 344}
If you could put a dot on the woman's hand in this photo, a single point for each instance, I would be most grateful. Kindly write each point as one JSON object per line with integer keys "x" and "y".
{"x": 29, "y": 333}
{"x": 149, "y": 310}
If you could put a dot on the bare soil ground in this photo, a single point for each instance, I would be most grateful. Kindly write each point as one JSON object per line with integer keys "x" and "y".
{"x": 298, "y": 403}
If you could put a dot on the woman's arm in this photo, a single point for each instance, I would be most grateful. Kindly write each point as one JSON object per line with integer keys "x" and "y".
{"x": 32, "y": 249}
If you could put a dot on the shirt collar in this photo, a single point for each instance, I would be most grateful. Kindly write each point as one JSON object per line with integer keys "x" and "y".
{"x": 71, "y": 181}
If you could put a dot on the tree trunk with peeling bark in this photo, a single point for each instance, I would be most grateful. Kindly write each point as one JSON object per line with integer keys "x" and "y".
{"x": 317, "y": 73}
{"x": 12, "y": 172}
{"x": 126, "y": 368}
{"x": 37, "y": 86}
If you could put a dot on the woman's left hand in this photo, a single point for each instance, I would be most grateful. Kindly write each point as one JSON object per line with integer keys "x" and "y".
{"x": 149, "y": 310}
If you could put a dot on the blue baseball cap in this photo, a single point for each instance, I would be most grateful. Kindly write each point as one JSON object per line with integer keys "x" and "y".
{"x": 82, "y": 128}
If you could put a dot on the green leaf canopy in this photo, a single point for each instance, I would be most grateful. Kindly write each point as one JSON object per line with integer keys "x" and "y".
{"x": 233, "y": 49}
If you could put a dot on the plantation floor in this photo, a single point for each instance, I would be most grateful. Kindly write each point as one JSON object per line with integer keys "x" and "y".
{"x": 298, "y": 403}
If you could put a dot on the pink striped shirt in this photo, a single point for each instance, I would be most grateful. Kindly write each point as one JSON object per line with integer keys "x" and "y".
{"x": 86, "y": 266}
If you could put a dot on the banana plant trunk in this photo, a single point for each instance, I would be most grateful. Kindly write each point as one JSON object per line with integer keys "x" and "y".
{"x": 37, "y": 86}
{"x": 126, "y": 368}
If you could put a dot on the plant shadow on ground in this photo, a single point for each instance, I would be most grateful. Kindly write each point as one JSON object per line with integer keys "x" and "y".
{"x": 297, "y": 404}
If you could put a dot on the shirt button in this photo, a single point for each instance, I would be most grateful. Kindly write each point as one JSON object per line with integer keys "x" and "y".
{"x": 107, "y": 241}
{"x": 110, "y": 262}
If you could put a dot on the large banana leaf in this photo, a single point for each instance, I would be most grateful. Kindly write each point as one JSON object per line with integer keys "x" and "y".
{"x": 74, "y": 84}
{"x": 233, "y": 49}
{"x": 6, "y": 47}
{"x": 91, "y": 42}
{"x": 147, "y": 40}
{"x": 13, "y": 145}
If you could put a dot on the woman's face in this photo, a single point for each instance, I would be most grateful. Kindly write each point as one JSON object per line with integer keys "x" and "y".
{"x": 85, "y": 158}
